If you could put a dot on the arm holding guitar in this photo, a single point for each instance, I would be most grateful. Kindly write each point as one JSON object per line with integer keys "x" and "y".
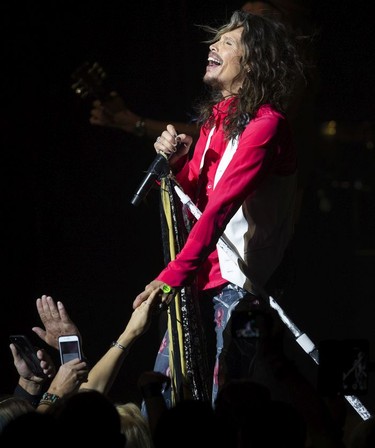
{"x": 109, "y": 108}
{"x": 114, "y": 113}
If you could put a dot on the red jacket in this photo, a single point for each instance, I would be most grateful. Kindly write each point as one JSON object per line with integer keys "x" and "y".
{"x": 247, "y": 188}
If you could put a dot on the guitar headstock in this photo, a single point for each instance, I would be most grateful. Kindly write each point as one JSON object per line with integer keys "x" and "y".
{"x": 88, "y": 81}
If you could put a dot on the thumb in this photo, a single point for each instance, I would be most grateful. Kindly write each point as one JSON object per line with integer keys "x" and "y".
{"x": 40, "y": 332}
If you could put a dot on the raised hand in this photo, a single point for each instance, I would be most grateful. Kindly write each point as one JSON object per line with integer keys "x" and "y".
{"x": 55, "y": 319}
{"x": 142, "y": 315}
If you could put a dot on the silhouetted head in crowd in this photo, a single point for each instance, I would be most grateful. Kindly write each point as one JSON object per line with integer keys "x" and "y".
{"x": 91, "y": 417}
{"x": 192, "y": 421}
{"x": 30, "y": 430}
{"x": 11, "y": 407}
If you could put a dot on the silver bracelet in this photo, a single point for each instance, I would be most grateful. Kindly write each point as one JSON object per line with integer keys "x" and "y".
{"x": 118, "y": 345}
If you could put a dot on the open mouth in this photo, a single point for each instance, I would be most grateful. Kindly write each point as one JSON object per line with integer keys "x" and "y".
{"x": 213, "y": 62}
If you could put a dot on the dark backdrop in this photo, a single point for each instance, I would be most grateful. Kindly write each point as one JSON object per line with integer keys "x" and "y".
{"x": 69, "y": 229}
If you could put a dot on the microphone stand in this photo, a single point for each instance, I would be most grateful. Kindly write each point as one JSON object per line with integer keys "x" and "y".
{"x": 159, "y": 168}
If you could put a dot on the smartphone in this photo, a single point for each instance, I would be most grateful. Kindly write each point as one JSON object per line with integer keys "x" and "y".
{"x": 70, "y": 348}
{"x": 28, "y": 353}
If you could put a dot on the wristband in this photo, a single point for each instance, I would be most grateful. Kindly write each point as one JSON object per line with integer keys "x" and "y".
{"x": 49, "y": 399}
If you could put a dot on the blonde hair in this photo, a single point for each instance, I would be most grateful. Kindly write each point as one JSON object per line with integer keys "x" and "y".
{"x": 134, "y": 426}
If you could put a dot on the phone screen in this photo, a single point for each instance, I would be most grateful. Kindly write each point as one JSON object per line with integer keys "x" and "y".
{"x": 69, "y": 349}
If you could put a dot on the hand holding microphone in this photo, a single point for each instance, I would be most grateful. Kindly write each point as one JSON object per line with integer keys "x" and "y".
{"x": 172, "y": 144}
{"x": 168, "y": 146}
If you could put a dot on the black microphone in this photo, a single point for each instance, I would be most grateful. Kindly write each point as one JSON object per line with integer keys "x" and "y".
{"x": 159, "y": 168}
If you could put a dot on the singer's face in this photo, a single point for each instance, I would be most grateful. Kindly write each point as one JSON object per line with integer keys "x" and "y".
{"x": 224, "y": 63}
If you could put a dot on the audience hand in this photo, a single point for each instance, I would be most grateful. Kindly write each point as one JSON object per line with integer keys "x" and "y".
{"x": 152, "y": 290}
{"x": 55, "y": 320}
{"x": 141, "y": 317}
{"x": 69, "y": 377}
{"x": 24, "y": 370}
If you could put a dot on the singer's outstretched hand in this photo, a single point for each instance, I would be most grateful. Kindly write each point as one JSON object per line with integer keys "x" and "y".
{"x": 172, "y": 144}
{"x": 162, "y": 297}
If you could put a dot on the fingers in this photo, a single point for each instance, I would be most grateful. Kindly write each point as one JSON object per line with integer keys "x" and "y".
{"x": 76, "y": 363}
{"x": 149, "y": 294}
{"x": 167, "y": 294}
{"x": 14, "y": 351}
{"x": 48, "y": 369}
{"x": 41, "y": 354}
{"x": 153, "y": 301}
{"x": 62, "y": 312}
{"x": 46, "y": 363}
{"x": 54, "y": 312}
{"x": 168, "y": 141}
{"x": 47, "y": 308}
{"x": 157, "y": 294}
{"x": 140, "y": 298}
{"x": 40, "y": 308}
{"x": 152, "y": 298}
{"x": 75, "y": 370}
{"x": 172, "y": 130}
{"x": 43, "y": 308}
{"x": 40, "y": 332}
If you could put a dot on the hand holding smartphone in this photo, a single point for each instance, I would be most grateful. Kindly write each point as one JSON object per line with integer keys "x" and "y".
{"x": 70, "y": 348}
{"x": 28, "y": 353}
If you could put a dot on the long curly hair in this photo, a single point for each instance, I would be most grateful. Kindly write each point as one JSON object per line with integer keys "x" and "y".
{"x": 271, "y": 65}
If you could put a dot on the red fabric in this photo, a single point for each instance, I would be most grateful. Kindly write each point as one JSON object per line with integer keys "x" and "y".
{"x": 264, "y": 148}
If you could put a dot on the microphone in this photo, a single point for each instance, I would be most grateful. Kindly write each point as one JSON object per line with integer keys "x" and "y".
{"x": 159, "y": 168}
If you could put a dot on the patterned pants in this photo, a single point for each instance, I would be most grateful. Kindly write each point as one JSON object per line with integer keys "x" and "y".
{"x": 231, "y": 355}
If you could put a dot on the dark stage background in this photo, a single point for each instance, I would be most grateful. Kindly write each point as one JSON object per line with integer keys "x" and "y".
{"x": 69, "y": 229}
